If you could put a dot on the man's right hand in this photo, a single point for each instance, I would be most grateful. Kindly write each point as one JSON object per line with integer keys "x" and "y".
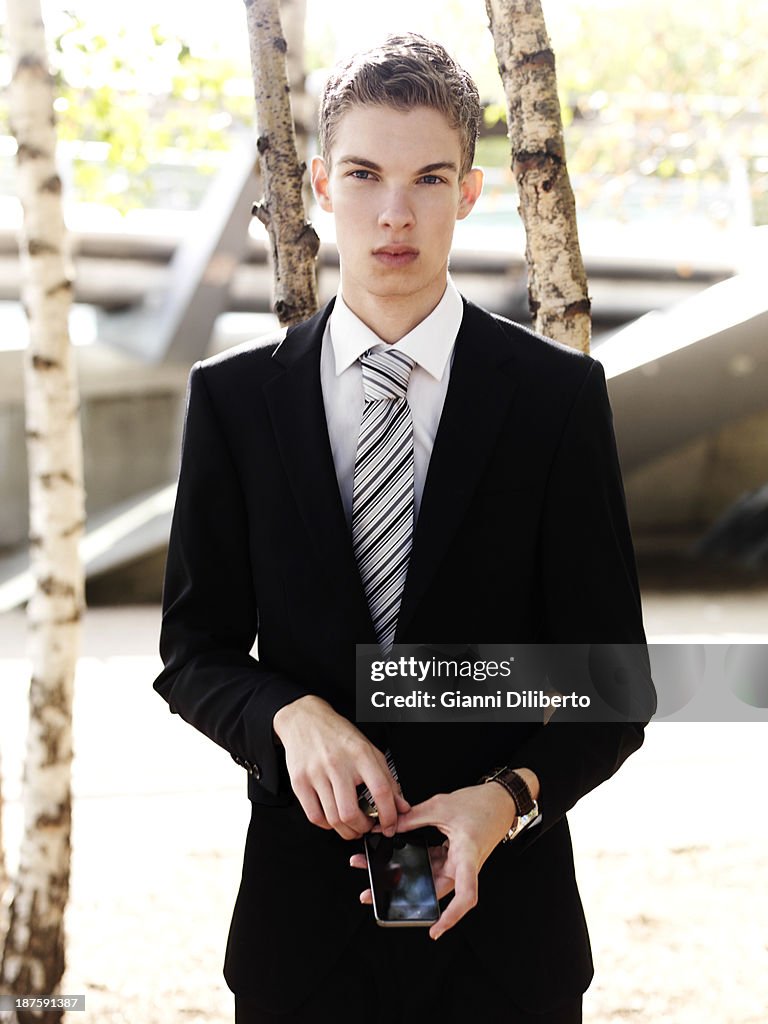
{"x": 327, "y": 758}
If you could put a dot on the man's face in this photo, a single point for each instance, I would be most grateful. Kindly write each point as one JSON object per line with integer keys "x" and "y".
{"x": 395, "y": 192}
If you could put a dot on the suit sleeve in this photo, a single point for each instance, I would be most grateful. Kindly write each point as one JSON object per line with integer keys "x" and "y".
{"x": 591, "y": 595}
{"x": 210, "y": 613}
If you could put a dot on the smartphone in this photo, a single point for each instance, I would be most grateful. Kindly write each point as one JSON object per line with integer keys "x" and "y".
{"x": 401, "y": 880}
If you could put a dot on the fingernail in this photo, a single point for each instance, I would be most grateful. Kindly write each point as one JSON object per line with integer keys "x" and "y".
{"x": 389, "y": 832}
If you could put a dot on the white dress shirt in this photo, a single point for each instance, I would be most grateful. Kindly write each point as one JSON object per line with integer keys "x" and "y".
{"x": 430, "y": 344}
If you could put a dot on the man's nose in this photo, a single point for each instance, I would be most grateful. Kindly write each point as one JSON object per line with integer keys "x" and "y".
{"x": 396, "y": 212}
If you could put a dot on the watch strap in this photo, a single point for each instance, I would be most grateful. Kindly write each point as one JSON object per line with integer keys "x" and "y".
{"x": 517, "y": 787}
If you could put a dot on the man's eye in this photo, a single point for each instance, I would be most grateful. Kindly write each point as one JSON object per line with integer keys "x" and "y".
{"x": 431, "y": 179}
{"x": 361, "y": 175}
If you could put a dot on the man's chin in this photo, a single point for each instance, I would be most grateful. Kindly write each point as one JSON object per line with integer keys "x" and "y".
{"x": 396, "y": 285}
{"x": 399, "y": 285}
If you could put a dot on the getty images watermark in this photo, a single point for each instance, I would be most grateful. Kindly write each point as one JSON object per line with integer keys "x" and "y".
{"x": 564, "y": 682}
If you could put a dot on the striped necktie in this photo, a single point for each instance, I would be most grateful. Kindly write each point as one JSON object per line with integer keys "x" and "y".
{"x": 382, "y": 497}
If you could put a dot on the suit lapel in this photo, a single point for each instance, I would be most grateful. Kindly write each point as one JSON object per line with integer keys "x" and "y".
{"x": 295, "y": 401}
{"x": 476, "y": 403}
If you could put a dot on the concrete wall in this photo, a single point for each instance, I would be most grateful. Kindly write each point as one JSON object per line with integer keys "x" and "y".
{"x": 13, "y": 477}
{"x": 130, "y": 444}
{"x": 131, "y": 417}
{"x": 684, "y": 492}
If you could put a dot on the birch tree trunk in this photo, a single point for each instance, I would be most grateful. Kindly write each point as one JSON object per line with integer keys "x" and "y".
{"x": 33, "y": 957}
{"x": 294, "y": 18}
{"x": 293, "y": 240}
{"x": 557, "y": 283}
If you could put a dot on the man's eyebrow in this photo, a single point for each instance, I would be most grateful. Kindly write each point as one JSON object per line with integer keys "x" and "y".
{"x": 360, "y": 161}
{"x": 440, "y": 165}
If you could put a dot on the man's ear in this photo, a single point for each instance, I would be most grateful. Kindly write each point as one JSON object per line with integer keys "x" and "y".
{"x": 320, "y": 183}
{"x": 471, "y": 186}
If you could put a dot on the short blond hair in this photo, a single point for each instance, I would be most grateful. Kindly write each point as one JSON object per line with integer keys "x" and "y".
{"x": 407, "y": 71}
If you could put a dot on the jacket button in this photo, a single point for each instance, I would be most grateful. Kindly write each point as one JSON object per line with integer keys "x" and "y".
{"x": 247, "y": 765}
{"x": 256, "y": 771}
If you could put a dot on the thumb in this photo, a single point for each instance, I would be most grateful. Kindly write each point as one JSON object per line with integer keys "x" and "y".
{"x": 402, "y": 805}
{"x": 421, "y": 814}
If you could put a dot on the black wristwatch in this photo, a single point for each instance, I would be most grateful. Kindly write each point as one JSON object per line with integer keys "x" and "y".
{"x": 527, "y": 808}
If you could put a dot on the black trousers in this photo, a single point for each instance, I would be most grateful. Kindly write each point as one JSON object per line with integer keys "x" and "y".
{"x": 400, "y": 976}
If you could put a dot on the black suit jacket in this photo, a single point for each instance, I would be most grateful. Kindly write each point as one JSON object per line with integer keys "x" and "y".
{"x": 522, "y": 537}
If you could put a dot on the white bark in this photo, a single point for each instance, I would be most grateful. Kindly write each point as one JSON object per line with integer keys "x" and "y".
{"x": 294, "y": 243}
{"x": 557, "y": 283}
{"x": 33, "y": 959}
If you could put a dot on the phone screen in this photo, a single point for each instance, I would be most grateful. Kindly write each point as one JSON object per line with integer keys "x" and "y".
{"x": 401, "y": 879}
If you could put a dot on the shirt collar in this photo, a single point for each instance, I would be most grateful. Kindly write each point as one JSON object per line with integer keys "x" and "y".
{"x": 430, "y": 343}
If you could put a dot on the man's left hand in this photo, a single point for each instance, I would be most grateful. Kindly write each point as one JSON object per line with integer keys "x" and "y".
{"x": 474, "y": 820}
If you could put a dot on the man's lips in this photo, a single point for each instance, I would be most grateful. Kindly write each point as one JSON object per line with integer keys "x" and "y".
{"x": 395, "y": 250}
{"x": 396, "y": 255}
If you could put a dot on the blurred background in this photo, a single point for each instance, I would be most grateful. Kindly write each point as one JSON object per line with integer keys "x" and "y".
{"x": 664, "y": 107}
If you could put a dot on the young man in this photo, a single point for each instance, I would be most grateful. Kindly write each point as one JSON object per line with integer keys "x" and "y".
{"x": 403, "y": 465}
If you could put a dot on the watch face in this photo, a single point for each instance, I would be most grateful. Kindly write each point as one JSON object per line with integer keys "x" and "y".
{"x": 514, "y": 831}
{"x": 523, "y": 822}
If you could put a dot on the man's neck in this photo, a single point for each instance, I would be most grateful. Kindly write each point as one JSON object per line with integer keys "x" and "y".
{"x": 391, "y": 317}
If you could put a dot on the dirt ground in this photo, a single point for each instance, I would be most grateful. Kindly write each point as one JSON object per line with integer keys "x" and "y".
{"x": 672, "y": 854}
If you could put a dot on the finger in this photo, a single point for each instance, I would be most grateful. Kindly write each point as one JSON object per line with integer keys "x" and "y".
{"x": 366, "y": 896}
{"x": 438, "y": 856}
{"x": 443, "y": 886}
{"x": 330, "y": 810}
{"x": 311, "y": 806}
{"x": 349, "y": 810}
{"x": 382, "y": 790}
{"x": 425, "y": 813}
{"x": 441, "y": 871}
{"x": 358, "y": 860}
{"x": 464, "y": 900}
{"x": 401, "y": 804}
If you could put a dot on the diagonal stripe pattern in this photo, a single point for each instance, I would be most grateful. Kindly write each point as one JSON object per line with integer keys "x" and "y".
{"x": 382, "y": 498}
